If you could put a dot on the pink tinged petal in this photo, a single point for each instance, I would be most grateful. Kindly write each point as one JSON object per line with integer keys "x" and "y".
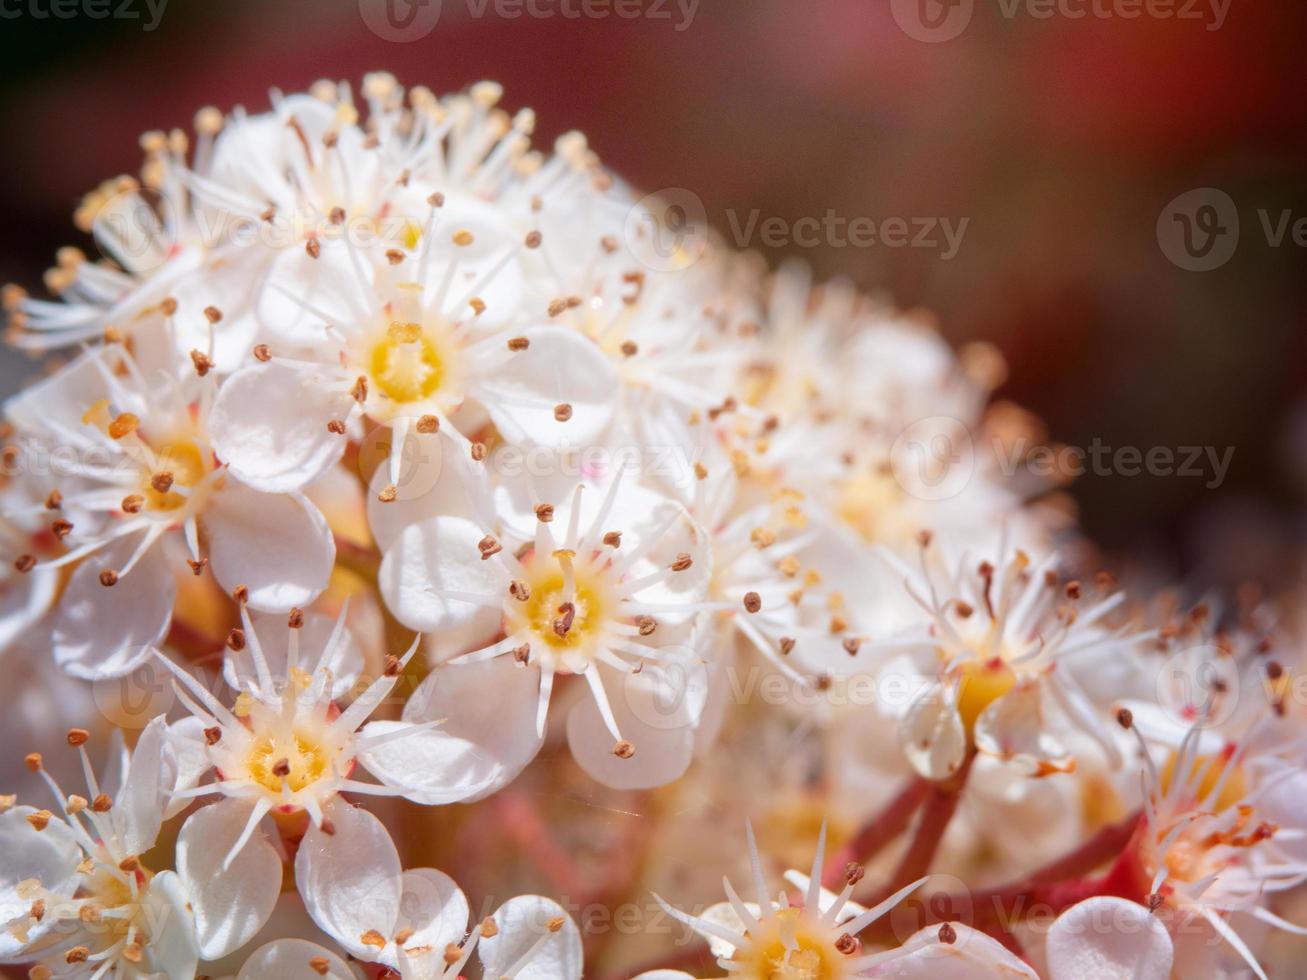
{"x": 106, "y": 632}
{"x": 172, "y": 949}
{"x": 350, "y": 879}
{"x": 1109, "y": 939}
{"x": 932, "y": 736}
{"x": 488, "y": 731}
{"x": 23, "y": 601}
{"x": 1014, "y": 728}
{"x": 653, "y": 714}
{"x": 561, "y": 367}
{"x": 290, "y": 959}
{"x": 269, "y": 425}
{"x": 231, "y": 901}
{"x": 344, "y": 658}
{"x": 526, "y": 948}
{"x": 429, "y": 766}
{"x": 434, "y": 907}
{"x": 971, "y": 956}
{"x": 431, "y": 563}
{"x": 50, "y": 856}
{"x": 138, "y": 806}
{"x": 277, "y": 545}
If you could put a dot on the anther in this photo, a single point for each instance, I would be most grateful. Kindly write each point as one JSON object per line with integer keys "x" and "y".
{"x": 262, "y": 352}
{"x": 162, "y": 481}
{"x": 202, "y": 363}
{"x": 752, "y": 602}
{"x": 336, "y": 426}
{"x": 854, "y": 872}
{"x": 213, "y": 314}
{"x": 488, "y": 929}
{"x": 522, "y": 654}
{"x": 394, "y": 256}
{"x": 613, "y": 539}
{"x": 212, "y": 736}
{"x": 281, "y": 768}
{"x": 533, "y": 239}
{"x": 630, "y": 348}
{"x": 295, "y": 619}
{"x": 108, "y": 577}
{"x": 478, "y": 451}
{"x": 360, "y": 390}
{"x": 847, "y": 945}
{"x": 646, "y": 625}
{"x": 682, "y": 562}
{"x": 40, "y": 819}
{"x": 489, "y": 547}
{"x": 947, "y": 934}
{"x": 787, "y": 645}
{"x": 319, "y": 965}
{"x": 519, "y": 590}
{"x": 544, "y": 513}
{"x": 562, "y": 412}
{"x": 566, "y": 617}
{"x": 25, "y": 563}
{"x": 624, "y": 750}
{"x": 428, "y": 424}
{"x": 33, "y": 761}
{"x": 1125, "y": 718}
{"x": 388, "y": 493}
{"x": 101, "y": 804}
{"x": 78, "y": 736}
{"x": 132, "y": 503}
{"x": 392, "y": 666}
{"x": 518, "y": 343}
{"x": 313, "y": 247}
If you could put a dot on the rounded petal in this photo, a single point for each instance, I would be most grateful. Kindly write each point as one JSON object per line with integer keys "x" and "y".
{"x": 487, "y": 735}
{"x": 350, "y": 879}
{"x": 344, "y": 658}
{"x": 1013, "y": 728}
{"x": 435, "y": 908}
{"x": 532, "y": 943}
{"x": 50, "y": 856}
{"x": 138, "y": 806}
{"x": 663, "y": 975}
{"x": 231, "y": 901}
{"x": 294, "y": 959}
{"x": 1109, "y": 939}
{"x": 102, "y": 633}
{"x": 971, "y": 955}
{"x": 172, "y": 950}
{"x": 430, "y": 560}
{"x": 302, "y": 294}
{"x": 277, "y": 545}
{"x": 652, "y": 713}
{"x": 561, "y": 367}
{"x": 269, "y": 425}
{"x": 188, "y": 760}
{"x": 932, "y": 736}
{"x": 23, "y": 600}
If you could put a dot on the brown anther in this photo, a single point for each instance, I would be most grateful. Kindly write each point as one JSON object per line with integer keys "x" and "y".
{"x": 54, "y": 500}
{"x": 518, "y": 343}
{"x": 101, "y": 804}
{"x": 336, "y": 427}
{"x": 373, "y": 938}
{"x": 964, "y": 609}
{"x": 428, "y": 424}
{"x": 212, "y": 736}
{"x": 478, "y": 305}
{"x": 682, "y": 562}
{"x": 25, "y": 563}
{"x": 854, "y": 872}
{"x": 924, "y": 538}
{"x": 489, "y": 547}
{"x": 281, "y": 768}
{"x": 1073, "y": 590}
{"x": 336, "y": 215}
{"x": 78, "y": 736}
{"x": 319, "y": 965}
{"x": 630, "y": 348}
{"x": 646, "y": 625}
{"x": 241, "y": 594}
{"x": 262, "y": 352}
{"x": 394, "y": 256}
{"x": 566, "y": 617}
{"x": 236, "y": 640}
{"x": 624, "y": 750}
{"x": 1154, "y": 902}
{"x": 213, "y": 314}
{"x": 613, "y": 539}
{"x": 453, "y": 953}
{"x": 360, "y": 390}
{"x": 37, "y": 911}
{"x": 609, "y": 244}
{"x": 557, "y": 307}
{"x": 129, "y": 864}
{"x": 533, "y": 239}
{"x": 388, "y": 493}
{"x": 295, "y": 619}
{"x": 162, "y": 481}
{"x": 787, "y": 645}
{"x": 463, "y": 238}
{"x": 436, "y": 200}
{"x": 947, "y": 934}
{"x": 392, "y": 666}
{"x": 1125, "y": 718}
{"x": 108, "y": 578}
{"x": 40, "y": 819}
{"x": 33, "y": 761}
{"x": 838, "y": 624}
{"x": 314, "y": 248}
{"x": 851, "y": 645}
{"x": 522, "y": 654}
{"x": 519, "y": 590}
{"x": 563, "y": 412}
{"x": 847, "y": 945}
{"x": 203, "y": 365}
{"x": 478, "y": 451}
{"x": 544, "y": 513}
{"x": 132, "y": 503}
{"x": 76, "y": 804}
{"x": 403, "y": 936}
{"x": 78, "y": 954}
{"x": 752, "y": 602}
{"x": 488, "y": 929}
{"x": 123, "y": 425}
{"x": 168, "y": 307}
{"x": 268, "y": 214}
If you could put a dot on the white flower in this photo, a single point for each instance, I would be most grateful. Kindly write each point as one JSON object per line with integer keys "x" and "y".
{"x": 76, "y": 897}
{"x": 608, "y": 584}
{"x": 143, "y": 490}
{"x": 1109, "y": 939}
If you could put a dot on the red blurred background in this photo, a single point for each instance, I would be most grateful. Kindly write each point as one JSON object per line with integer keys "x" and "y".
{"x": 1060, "y": 139}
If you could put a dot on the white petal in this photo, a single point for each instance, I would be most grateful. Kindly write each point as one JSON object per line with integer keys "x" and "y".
{"x": 1109, "y": 939}
{"x": 188, "y": 760}
{"x": 651, "y": 712}
{"x": 50, "y": 856}
{"x": 487, "y": 736}
{"x": 431, "y": 558}
{"x": 435, "y": 909}
{"x": 104, "y": 632}
{"x": 560, "y": 367}
{"x": 288, "y": 959}
{"x": 1013, "y": 728}
{"x": 350, "y": 880}
{"x": 277, "y": 545}
{"x": 345, "y": 661}
{"x": 971, "y": 956}
{"x": 663, "y": 975}
{"x": 172, "y": 950}
{"x": 932, "y": 735}
{"x": 328, "y": 284}
{"x": 522, "y": 921}
{"x": 230, "y": 903}
{"x": 23, "y": 600}
{"x": 269, "y": 425}
{"x": 137, "y": 812}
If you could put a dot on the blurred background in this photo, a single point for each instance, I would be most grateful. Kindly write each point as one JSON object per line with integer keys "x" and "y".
{"x": 1060, "y": 140}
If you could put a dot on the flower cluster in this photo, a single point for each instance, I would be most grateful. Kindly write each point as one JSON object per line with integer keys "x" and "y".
{"x": 388, "y": 455}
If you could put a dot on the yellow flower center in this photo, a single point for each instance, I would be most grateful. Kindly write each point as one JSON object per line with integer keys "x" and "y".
{"x": 183, "y": 460}
{"x": 1234, "y": 789}
{"x": 405, "y": 364}
{"x": 297, "y": 759}
{"x": 564, "y": 618}
{"x": 980, "y": 684}
{"x": 793, "y": 950}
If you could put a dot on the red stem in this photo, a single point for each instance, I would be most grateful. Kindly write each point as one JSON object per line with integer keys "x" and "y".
{"x": 878, "y": 832}
{"x": 936, "y": 812}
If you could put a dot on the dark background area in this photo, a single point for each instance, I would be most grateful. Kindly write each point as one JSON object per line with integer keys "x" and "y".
{"x": 1061, "y": 140}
